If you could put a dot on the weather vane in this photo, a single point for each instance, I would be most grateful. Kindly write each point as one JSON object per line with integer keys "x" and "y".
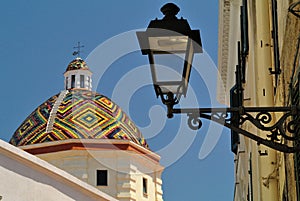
{"x": 78, "y": 49}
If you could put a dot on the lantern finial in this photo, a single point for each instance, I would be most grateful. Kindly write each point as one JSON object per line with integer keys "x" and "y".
{"x": 170, "y": 11}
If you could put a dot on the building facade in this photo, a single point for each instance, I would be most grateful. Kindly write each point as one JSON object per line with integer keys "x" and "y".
{"x": 262, "y": 37}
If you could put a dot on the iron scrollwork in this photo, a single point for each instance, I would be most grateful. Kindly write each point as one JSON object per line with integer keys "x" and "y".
{"x": 294, "y": 8}
{"x": 277, "y": 134}
{"x": 194, "y": 121}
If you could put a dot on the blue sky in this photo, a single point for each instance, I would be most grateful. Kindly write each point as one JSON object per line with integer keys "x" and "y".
{"x": 36, "y": 45}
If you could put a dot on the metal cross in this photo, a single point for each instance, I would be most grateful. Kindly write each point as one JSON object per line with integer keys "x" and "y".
{"x": 78, "y": 49}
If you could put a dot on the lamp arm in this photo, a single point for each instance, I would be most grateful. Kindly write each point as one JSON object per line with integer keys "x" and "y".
{"x": 259, "y": 117}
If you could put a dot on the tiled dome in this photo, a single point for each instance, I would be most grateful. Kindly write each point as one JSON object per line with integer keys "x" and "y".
{"x": 77, "y": 114}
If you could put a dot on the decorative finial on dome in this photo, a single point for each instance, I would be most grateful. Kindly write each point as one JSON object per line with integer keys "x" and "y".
{"x": 77, "y": 53}
{"x": 170, "y": 11}
{"x": 77, "y": 64}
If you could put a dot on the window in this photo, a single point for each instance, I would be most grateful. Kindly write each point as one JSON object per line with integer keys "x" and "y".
{"x": 102, "y": 178}
{"x": 145, "y": 186}
{"x": 73, "y": 81}
{"x": 67, "y": 82}
{"x": 236, "y": 100}
{"x": 88, "y": 80}
{"x": 81, "y": 81}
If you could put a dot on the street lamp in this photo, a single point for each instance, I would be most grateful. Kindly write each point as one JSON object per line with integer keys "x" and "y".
{"x": 172, "y": 38}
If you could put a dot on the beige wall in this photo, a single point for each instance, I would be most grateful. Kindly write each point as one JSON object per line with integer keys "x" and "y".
{"x": 270, "y": 173}
{"x": 126, "y": 170}
{"x": 289, "y": 27}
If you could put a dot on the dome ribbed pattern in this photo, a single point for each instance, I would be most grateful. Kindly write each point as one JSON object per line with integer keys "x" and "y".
{"x": 81, "y": 114}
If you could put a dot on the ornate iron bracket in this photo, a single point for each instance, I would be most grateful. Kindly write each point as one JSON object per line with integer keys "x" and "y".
{"x": 294, "y": 8}
{"x": 279, "y": 133}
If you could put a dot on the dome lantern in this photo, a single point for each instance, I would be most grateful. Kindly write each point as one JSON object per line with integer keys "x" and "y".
{"x": 78, "y": 75}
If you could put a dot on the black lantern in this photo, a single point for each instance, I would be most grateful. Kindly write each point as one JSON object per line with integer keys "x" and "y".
{"x": 170, "y": 45}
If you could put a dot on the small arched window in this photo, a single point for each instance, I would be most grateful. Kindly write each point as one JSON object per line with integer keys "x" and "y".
{"x": 73, "y": 81}
{"x": 81, "y": 81}
{"x": 67, "y": 82}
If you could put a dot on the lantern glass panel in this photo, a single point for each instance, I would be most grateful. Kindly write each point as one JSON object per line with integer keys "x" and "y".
{"x": 169, "y": 67}
{"x": 168, "y": 72}
{"x": 168, "y": 43}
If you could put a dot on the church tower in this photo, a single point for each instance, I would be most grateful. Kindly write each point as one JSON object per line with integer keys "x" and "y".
{"x": 87, "y": 135}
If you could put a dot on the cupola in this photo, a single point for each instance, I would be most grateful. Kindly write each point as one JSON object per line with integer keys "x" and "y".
{"x": 78, "y": 75}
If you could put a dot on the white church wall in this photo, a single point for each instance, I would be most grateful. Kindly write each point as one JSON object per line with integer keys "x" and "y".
{"x": 24, "y": 177}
